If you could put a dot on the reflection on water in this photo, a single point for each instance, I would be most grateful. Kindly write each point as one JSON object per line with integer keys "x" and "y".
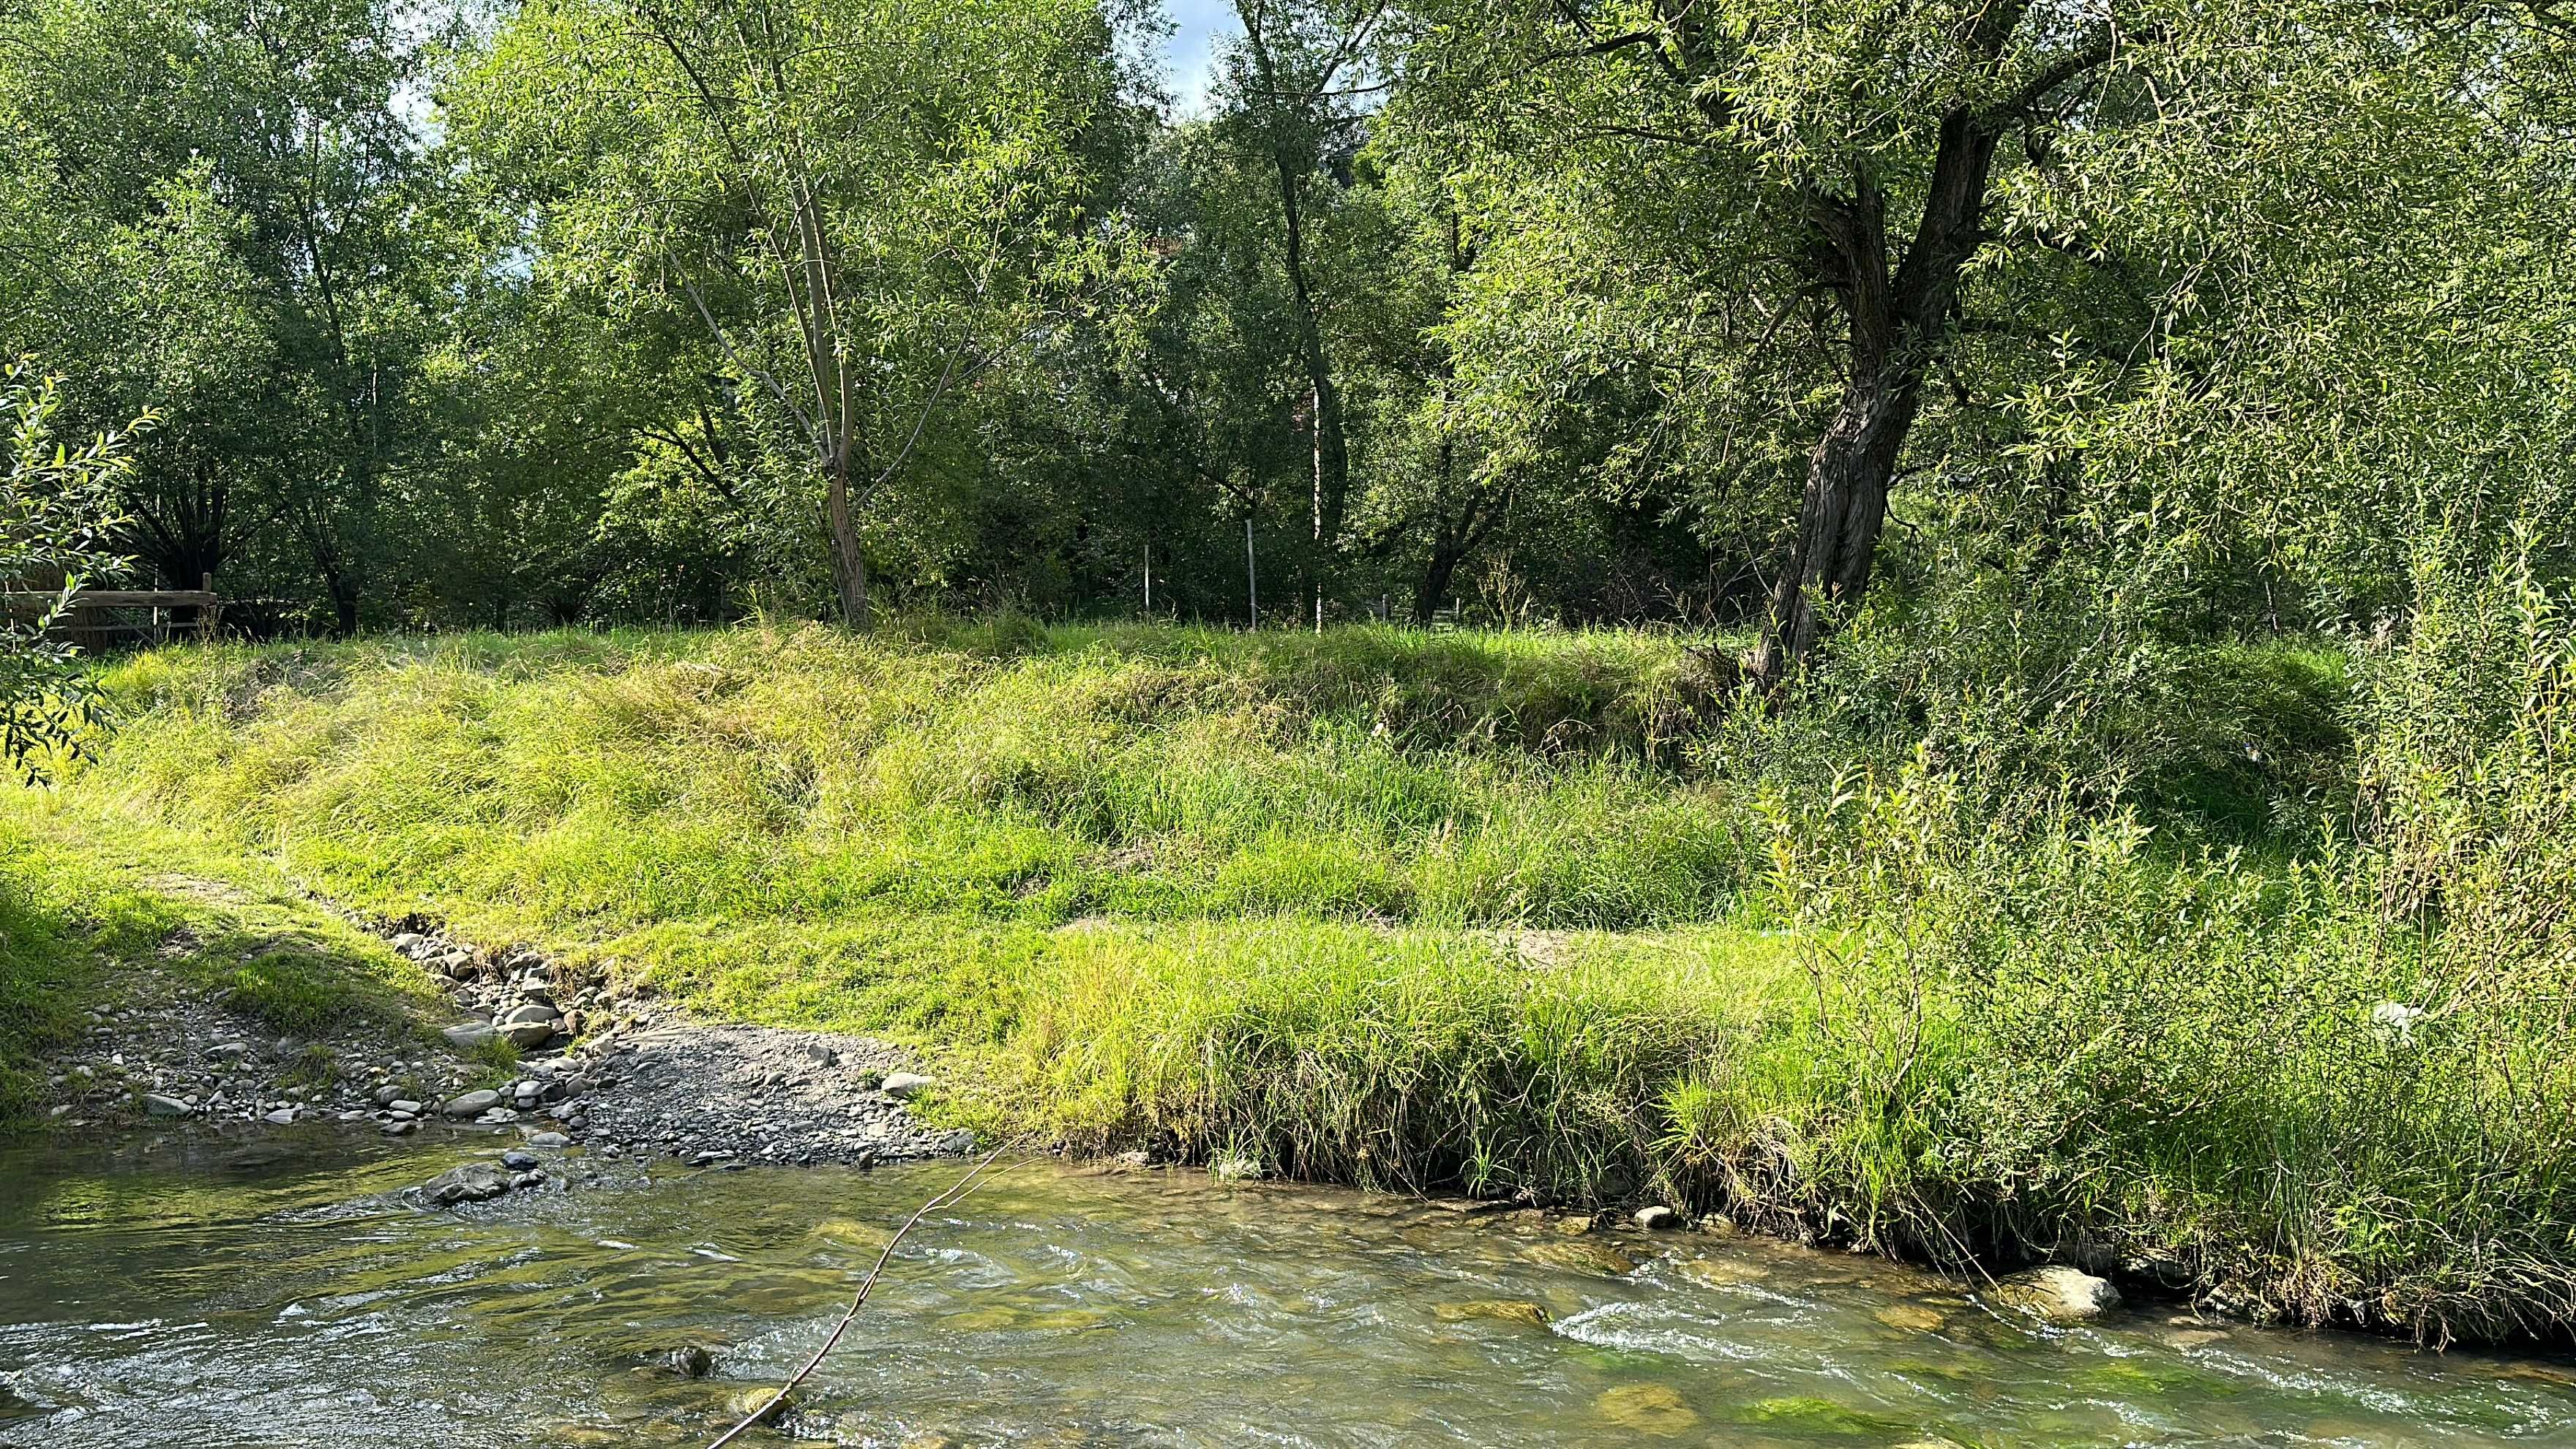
{"x": 277, "y": 1293}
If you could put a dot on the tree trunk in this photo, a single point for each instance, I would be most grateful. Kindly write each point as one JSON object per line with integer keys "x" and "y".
{"x": 1435, "y": 582}
{"x": 849, "y": 564}
{"x": 344, "y": 600}
{"x": 1897, "y": 321}
{"x": 1332, "y": 451}
{"x": 1456, "y": 537}
{"x": 1840, "y": 516}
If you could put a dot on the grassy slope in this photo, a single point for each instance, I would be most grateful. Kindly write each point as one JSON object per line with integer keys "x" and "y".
{"x": 1082, "y": 864}
{"x": 1421, "y": 910}
{"x": 97, "y": 910}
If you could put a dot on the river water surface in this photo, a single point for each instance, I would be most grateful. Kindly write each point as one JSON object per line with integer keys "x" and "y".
{"x": 279, "y": 1291}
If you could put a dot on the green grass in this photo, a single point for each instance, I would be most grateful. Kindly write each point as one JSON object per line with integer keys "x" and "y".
{"x": 620, "y": 781}
{"x": 1528, "y": 914}
{"x": 103, "y": 911}
{"x": 47, "y": 971}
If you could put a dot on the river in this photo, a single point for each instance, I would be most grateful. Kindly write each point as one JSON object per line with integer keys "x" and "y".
{"x": 279, "y": 1291}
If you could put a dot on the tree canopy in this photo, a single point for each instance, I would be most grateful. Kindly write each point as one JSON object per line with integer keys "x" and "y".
{"x": 1740, "y": 316}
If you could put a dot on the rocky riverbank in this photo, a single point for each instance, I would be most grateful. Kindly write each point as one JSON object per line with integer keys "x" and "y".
{"x": 585, "y": 1063}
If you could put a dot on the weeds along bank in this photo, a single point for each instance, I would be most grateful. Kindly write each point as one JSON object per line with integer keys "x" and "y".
{"x": 1524, "y": 914}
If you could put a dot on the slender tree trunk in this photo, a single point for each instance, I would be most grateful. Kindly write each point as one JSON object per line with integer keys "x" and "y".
{"x": 1332, "y": 450}
{"x": 849, "y": 563}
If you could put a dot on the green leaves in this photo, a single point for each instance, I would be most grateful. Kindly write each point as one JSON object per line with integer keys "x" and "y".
{"x": 56, "y": 514}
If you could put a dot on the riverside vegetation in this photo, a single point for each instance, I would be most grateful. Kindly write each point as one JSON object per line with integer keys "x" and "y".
{"x": 2279, "y": 1023}
{"x": 1990, "y": 661}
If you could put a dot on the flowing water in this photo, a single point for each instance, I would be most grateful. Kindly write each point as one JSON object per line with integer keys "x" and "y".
{"x": 281, "y": 1292}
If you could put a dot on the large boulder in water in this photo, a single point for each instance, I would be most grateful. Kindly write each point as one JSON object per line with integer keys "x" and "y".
{"x": 2058, "y": 1294}
{"x": 473, "y": 1182}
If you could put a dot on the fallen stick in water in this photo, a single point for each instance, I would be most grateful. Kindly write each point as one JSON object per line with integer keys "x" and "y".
{"x": 974, "y": 1178}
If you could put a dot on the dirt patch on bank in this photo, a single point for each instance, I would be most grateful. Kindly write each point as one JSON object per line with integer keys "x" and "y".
{"x": 611, "y": 1069}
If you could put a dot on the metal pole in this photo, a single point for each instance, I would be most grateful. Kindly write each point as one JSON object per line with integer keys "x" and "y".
{"x": 1149, "y": 580}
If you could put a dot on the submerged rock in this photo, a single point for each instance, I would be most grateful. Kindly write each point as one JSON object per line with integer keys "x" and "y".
{"x": 1582, "y": 1257}
{"x": 2058, "y": 1294}
{"x": 1499, "y": 1310}
{"x": 690, "y": 1361}
{"x": 1910, "y": 1317}
{"x": 1654, "y": 1409}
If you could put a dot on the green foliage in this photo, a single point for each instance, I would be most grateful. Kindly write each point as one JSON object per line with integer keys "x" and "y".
{"x": 55, "y": 521}
{"x": 2467, "y": 775}
{"x": 227, "y": 222}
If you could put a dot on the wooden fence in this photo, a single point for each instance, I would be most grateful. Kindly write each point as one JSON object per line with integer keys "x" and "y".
{"x": 109, "y": 618}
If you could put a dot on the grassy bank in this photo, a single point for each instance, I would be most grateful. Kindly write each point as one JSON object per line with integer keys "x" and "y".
{"x": 104, "y": 910}
{"x": 1521, "y": 914}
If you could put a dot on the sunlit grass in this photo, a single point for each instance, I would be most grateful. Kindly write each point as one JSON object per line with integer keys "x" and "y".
{"x": 1528, "y": 915}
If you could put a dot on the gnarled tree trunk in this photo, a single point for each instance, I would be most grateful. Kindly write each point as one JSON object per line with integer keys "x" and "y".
{"x": 1898, "y": 317}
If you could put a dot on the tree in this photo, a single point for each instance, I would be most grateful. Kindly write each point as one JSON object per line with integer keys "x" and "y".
{"x": 232, "y": 225}
{"x": 1857, "y": 150}
{"x": 866, "y": 205}
{"x": 1289, "y": 87}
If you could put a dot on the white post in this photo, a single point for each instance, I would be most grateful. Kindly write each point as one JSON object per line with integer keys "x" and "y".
{"x": 1251, "y": 572}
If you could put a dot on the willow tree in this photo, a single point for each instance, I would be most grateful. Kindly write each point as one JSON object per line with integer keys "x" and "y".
{"x": 1854, "y": 151}
{"x": 864, "y": 204}
{"x": 1870, "y": 197}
